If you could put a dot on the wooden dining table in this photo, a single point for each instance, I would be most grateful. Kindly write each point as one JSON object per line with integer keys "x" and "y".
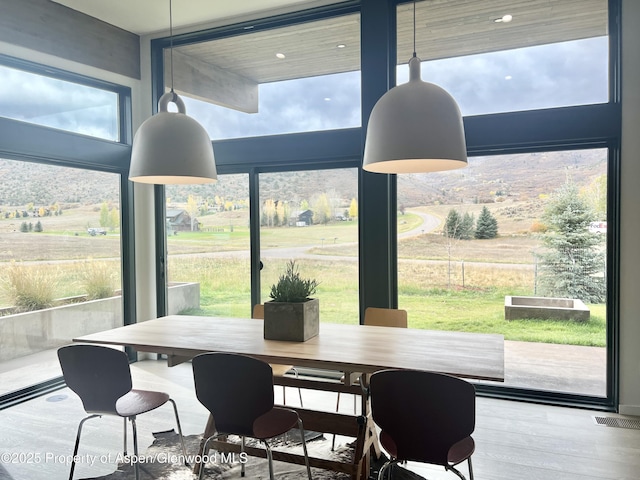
{"x": 355, "y": 350}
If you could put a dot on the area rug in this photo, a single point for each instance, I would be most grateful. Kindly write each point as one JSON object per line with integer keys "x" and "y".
{"x": 161, "y": 461}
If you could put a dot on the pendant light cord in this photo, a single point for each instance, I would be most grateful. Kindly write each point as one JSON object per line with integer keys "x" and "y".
{"x": 171, "y": 43}
{"x": 414, "y": 28}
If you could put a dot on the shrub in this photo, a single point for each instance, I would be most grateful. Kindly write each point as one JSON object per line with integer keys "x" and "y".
{"x": 538, "y": 227}
{"x": 98, "y": 280}
{"x": 30, "y": 288}
{"x": 292, "y": 288}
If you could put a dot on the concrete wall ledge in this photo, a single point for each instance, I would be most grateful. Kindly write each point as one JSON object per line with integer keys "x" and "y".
{"x": 517, "y": 308}
{"x": 32, "y": 332}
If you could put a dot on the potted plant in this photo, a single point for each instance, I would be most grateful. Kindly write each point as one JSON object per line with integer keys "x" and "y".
{"x": 292, "y": 315}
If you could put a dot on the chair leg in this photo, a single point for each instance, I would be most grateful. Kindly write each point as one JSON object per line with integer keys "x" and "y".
{"x": 304, "y": 448}
{"x": 135, "y": 446}
{"x": 124, "y": 448}
{"x": 242, "y": 445}
{"x": 270, "y": 458}
{"x": 75, "y": 448}
{"x": 384, "y": 467}
{"x": 295, "y": 371}
{"x": 457, "y": 472}
{"x": 205, "y": 451}
{"x": 333, "y": 441}
{"x": 184, "y": 450}
{"x": 470, "y": 469}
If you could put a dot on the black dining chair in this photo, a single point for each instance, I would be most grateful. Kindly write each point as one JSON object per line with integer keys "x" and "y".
{"x": 101, "y": 377}
{"x": 238, "y": 392}
{"x": 424, "y": 417}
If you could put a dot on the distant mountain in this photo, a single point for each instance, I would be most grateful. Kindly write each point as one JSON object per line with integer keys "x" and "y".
{"x": 26, "y": 182}
{"x": 518, "y": 177}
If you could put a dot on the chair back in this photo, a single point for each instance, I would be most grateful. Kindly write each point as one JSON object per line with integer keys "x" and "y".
{"x": 258, "y": 311}
{"x": 423, "y": 413}
{"x": 385, "y": 317}
{"x": 98, "y": 375}
{"x": 236, "y": 389}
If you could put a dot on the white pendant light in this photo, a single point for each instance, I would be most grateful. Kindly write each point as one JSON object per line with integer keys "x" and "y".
{"x": 415, "y": 127}
{"x": 170, "y": 147}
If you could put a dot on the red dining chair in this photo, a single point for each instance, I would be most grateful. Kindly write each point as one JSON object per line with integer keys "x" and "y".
{"x": 424, "y": 417}
{"x": 238, "y": 392}
{"x": 101, "y": 377}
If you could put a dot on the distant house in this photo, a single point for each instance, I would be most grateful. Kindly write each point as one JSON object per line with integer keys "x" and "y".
{"x": 301, "y": 218}
{"x": 179, "y": 220}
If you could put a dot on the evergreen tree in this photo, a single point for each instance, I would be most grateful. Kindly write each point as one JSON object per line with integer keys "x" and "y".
{"x": 487, "y": 225}
{"x": 467, "y": 226}
{"x": 38, "y": 227}
{"x": 452, "y": 224}
{"x": 573, "y": 265}
{"x": 459, "y": 226}
{"x": 24, "y": 227}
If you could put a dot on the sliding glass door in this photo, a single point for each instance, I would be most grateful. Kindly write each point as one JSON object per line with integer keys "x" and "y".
{"x": 207, "y": 228}
{"x": 314, "y": 224}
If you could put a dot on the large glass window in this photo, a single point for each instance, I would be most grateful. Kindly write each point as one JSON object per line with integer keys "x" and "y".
{"x": 60, "y": 265}
{"x": 53, "y": 102}
{"x": 207, "y": 229}
{"x": 498, "y": 57}
{"x": 514, "y": 245}
{"x": 270, "y": 82}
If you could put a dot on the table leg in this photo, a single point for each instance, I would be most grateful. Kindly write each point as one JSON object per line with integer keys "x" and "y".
{"x": 371, "y": 432}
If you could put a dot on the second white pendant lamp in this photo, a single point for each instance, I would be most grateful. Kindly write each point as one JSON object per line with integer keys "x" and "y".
{"x": 415, "y": 127}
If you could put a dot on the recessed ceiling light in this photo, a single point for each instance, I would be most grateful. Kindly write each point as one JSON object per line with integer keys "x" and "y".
{"x": 508, "y": 77}
{"x": 327, "y": 99}
{"x": 280, "y": 55}
{"x": 341, "y": 45}
{"x": 504, "y": 19}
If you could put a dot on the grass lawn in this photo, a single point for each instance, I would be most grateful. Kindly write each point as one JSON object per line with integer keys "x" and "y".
{"x": 225, "y": 291}
{"x": 483, "y": 312}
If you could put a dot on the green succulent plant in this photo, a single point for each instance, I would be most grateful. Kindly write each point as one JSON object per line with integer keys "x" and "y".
{"x": 291, "y": 287}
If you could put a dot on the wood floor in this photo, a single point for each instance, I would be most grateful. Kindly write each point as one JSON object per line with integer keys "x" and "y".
{"x": 515, "y": 440}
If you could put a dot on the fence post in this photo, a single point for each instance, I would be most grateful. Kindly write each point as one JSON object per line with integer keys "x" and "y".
{"x": 463, "y": 274}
